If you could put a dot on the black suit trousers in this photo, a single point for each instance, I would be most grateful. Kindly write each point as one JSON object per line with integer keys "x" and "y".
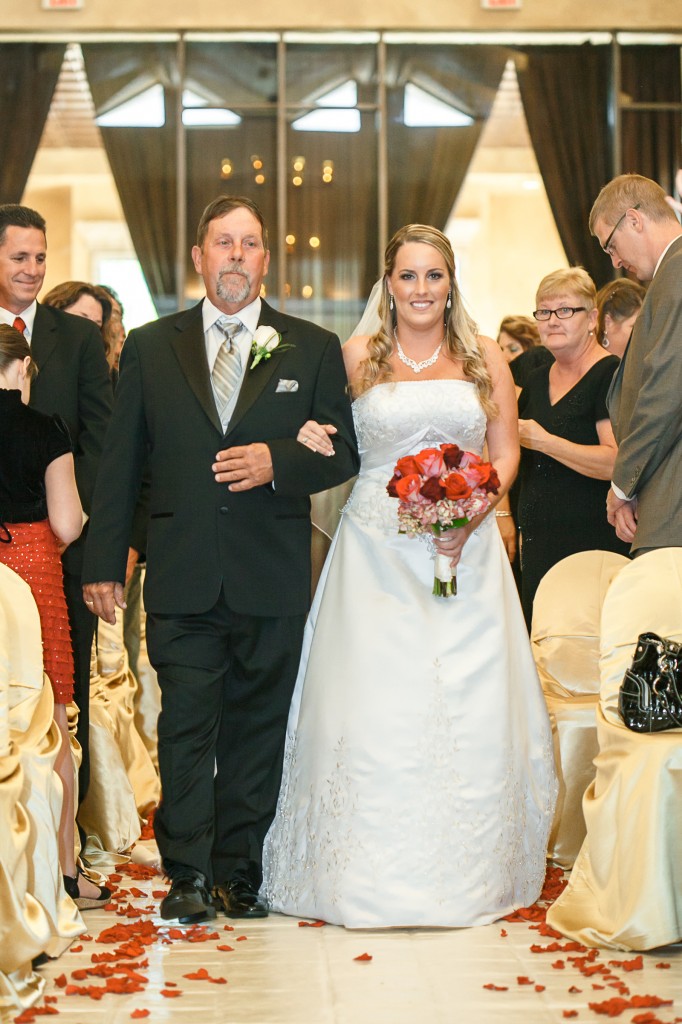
{"x": 82, "y": 623}
{"x": 226, "y": 683}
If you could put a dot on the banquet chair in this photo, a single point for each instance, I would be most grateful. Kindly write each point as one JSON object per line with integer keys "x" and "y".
{"x": 565, "y": 644}
{"x": 36, "y": 915}
{"x": 625, "y": 890}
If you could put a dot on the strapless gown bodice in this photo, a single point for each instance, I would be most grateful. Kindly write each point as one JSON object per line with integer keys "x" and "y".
{"x": 418, "y": 782}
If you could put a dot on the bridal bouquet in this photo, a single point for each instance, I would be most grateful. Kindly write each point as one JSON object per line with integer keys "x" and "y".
{"x": 441, "y": 489}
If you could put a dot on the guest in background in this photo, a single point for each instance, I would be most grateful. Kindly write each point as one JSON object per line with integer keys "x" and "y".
{"x": 86, "y": 300}
{"x": 618, "y": 306}
{"x": 519, "y": 340}
{"x": 568, "y": 447}
{"x": 638, "y": 230}
{"x": 40, "y": 514}
{"x": 73, "y": 382}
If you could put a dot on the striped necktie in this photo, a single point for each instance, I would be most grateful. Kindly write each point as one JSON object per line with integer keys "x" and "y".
{"x": 227, "y": 369}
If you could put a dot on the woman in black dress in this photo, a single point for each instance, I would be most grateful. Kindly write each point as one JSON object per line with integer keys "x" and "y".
{"x": 568, "y": 447}
{"x": 40, "y": 514}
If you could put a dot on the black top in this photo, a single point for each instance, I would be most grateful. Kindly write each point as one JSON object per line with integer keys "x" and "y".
{"x": 30, "y": 442}
{"x": 524, "y": 365}
{"x": 560, "y": 510}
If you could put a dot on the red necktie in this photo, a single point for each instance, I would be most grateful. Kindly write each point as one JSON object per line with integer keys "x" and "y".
{"x": 19, "y": 324}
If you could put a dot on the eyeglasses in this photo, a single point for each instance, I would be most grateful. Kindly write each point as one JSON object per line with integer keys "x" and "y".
{"x": 607, "y": 247}
{"x": 562, "y": 313}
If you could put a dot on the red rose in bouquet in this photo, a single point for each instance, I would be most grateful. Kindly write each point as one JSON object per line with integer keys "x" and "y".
{"x": 441, "y": 489}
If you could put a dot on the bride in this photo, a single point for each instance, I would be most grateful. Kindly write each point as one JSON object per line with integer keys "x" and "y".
{"x": 418, "y": 784}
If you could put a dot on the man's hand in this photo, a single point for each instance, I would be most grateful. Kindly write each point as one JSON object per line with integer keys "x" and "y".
{"x": 244, "y": 467}
{"x": 103, "y": 598}
{"x": 622, "y": 515}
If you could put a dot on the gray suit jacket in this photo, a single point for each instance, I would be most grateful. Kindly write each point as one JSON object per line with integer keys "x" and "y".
{"x": 645, "y": 406}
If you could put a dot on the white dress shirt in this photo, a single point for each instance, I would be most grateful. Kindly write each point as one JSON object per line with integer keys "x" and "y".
{"x": 28, "y": 315}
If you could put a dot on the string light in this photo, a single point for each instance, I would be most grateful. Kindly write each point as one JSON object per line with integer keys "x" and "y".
{"x": 307, "y": 291}
{"x": 225, "y": 167}
{"x": 314, "y": 242}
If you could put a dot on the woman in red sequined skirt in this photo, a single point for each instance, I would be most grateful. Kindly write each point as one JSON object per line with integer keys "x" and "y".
{"x": 40, "y": 514}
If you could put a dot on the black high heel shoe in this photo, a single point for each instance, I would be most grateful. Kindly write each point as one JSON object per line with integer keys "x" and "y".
{"x": 85, "y": 902}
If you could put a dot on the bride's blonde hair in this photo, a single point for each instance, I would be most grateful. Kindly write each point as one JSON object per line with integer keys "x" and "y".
{"x": 461, "y": 333}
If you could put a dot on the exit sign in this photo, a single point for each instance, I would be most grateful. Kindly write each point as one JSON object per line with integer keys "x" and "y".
{"x": 63, "y": 5}
{"x": 501, "y": 5}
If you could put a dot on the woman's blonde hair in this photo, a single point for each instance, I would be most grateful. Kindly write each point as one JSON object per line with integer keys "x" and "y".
{"x": 575, "y": 280}
{"x": 460, "y": 334}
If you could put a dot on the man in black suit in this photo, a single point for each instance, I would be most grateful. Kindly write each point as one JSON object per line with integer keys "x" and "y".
{"x": 228, "y": 552}
{"x": 73, "y": 380}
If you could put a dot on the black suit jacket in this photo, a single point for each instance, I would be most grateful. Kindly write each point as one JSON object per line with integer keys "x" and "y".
{"x": 201, "y": 536}
{"x": 73, "y": 380}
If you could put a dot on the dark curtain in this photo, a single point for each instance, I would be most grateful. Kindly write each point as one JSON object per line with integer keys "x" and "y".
{"x": 29, "y": 76}
{"x": 565, "y": 92}
{"x": 143, "y": 160}
{"x": 651, "y": 138}
{"x": 427, "y": 166}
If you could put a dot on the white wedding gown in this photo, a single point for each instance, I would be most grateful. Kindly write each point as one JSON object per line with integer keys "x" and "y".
{"x": 418, "y": 782}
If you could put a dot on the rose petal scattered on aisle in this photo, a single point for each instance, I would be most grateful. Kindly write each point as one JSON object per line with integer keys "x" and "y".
{"x": 364, "y": 957}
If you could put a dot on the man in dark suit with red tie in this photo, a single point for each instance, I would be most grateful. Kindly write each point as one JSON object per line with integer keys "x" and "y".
{"x": 73, "y": 380}
{"x": 214, "y": 398}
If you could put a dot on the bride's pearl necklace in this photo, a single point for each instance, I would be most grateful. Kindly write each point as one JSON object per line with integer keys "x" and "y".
{"x": 417, "y": 367}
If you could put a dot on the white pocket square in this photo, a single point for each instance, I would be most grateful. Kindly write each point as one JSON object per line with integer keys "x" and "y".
{"x": 286, "y": 385}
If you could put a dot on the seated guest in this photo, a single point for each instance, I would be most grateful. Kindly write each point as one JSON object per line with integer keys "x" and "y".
{"x": 568, "y": 448}
{"x": 618, "y": 306}
{"x": 40, "y": 515}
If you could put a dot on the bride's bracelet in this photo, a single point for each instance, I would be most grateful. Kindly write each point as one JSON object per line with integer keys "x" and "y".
{"x": 501, "y": 513}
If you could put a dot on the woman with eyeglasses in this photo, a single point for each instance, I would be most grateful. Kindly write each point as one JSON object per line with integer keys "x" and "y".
{"x": 567, "y": 444}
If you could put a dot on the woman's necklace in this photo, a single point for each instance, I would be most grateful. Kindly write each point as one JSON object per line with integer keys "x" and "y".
{"x": 417, "y": 367}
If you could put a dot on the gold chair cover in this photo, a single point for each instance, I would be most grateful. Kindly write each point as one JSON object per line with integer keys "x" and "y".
{"x": 625, "y": 890}
{"x": 36, "y": 915}
{"x": 109, "y": 813}
{"x": 565, "y": 643}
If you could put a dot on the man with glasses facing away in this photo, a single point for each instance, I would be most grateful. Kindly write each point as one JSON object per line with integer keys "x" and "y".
{"x": 639, "y": 231}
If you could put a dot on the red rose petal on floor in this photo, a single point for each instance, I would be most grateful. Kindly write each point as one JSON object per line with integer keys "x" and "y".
{"x": 199, "y": 975}
{"x": 629, "y": 965}
{"x": 171, "y": 984}
{"x": 523, "y": 980}
{"x": 573, "y": 989}
{"x": 228, "y": 927}
{"x": 138, "y": 893}
{"x": 159, "y": 894}
{"x": 662, "y": 967}
{"x": 241, "y": 938}
{"x": 60, "y": 981}
{"x": 494, "y": 988}
{"x": 650, "y": 1001}
{"x": 598, "y": 987}
{"x": 51, "y": 999}
{"x": 170, "y": 993}
{"x": 311, "y": 924}
{"x": 570, "y": 1013}
{"x": 139, "y": 1014}
{"x": 646, "y": 1018}
{"x": 76, "y": 949}
{"x": 503, "y": 933}
{"x": 218, "y": 981}
{"x": 364, "y": 957}
{"x": 539, "y": 988}
{"x": 558, "y": 965}
{"x": 225, "y": 949}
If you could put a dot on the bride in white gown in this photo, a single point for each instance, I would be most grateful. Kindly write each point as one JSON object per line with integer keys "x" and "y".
{"x": 418, "y": 782}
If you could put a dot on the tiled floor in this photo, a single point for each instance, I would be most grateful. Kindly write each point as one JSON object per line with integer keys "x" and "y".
{"x": 276, "y": 971}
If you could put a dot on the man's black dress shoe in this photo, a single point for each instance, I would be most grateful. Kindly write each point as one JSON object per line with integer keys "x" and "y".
{"x": 239, "y": 897}
{"x": 188, "y": 899}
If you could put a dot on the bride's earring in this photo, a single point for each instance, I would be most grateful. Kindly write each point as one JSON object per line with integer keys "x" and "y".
{"x": 448, "y": 304}
{"x": 390, "y": 303}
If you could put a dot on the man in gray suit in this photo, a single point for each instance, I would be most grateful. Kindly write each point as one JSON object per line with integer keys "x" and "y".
{"x": 637, "y": 228}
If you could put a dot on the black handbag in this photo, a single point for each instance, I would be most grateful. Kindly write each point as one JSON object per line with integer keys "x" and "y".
{"x": 650, "y": 698}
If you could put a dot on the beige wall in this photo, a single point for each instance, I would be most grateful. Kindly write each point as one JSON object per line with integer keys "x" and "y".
{"x": 457, "y": 15}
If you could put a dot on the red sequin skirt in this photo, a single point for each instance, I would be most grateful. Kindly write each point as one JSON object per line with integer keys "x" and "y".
{"x": 33, "y": 554}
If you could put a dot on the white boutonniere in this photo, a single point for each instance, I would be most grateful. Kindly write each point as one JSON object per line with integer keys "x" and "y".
{"x": 265, "y": 341}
